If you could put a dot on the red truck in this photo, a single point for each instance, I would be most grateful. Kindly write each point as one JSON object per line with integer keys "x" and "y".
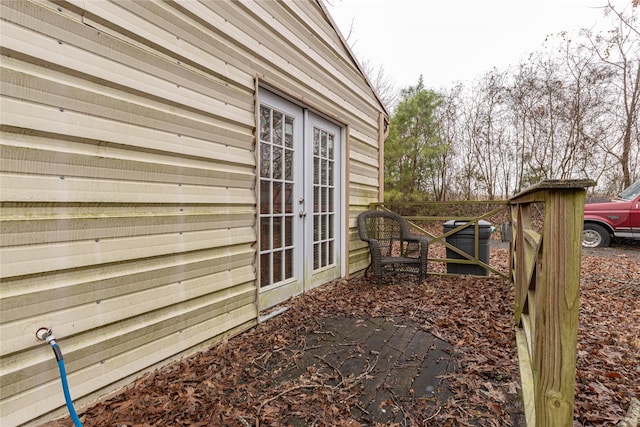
{"x": 619, "y": 217}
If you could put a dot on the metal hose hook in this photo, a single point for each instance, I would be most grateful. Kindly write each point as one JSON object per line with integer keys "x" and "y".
{"x": 46, "y": 334}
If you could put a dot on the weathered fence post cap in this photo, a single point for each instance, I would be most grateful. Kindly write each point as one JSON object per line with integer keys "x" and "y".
{"x": 556, "y": 184}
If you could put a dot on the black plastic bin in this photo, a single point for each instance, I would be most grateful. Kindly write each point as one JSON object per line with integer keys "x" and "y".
{"x": 465, "y": 241}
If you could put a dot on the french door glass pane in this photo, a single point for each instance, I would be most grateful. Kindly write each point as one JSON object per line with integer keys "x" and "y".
{"x": 265, "y": 269}
{"x": 277, "y": 163}
{"x": 265, "y": 196}
{"x": 330, "y": 146}
{"x": 330, "y": 173}
{"x": 331, "y": 249}
{"x": 316, "y": 142}
{"x": 265, "y": 123}
{"x": 265, "y": 163}
{"x": 330, "y": 200}
{"x": 277, "y": 232}
{"x": 323, "y": 144}
{"x": 331, "y": 231}
{"x": 288, "y": 165}
{"x": 288, "y": 230}
{"x": 277, "y": 197}
{"x": 288, "y": 197}
{"x": 277, "y": 266}
{"x": 288, "y": 263}
{"x": 323, "y": 199}
{"x": 265, "y": 231}
{"x": 288, "y": 132}
{"x": 325, "y": 226}
{"x": 277, "y": 128}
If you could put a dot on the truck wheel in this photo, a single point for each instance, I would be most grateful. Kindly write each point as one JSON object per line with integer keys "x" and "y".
{"x": 595, "y": 236}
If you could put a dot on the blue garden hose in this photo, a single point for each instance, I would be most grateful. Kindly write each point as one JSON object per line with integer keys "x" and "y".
{"x": 47, "y": 335}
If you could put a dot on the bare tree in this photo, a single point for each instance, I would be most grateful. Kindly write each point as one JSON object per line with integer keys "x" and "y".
{"x": 619, "y": 50}
{"x": 378, "y": 77}
{"x": 485, "y": 132}
{"x": 525, "y": 100}
{"x": 383, "y": 84}
{"x": 569, "y": 110}
{"x": 447, "y": 130}
{"x": 558, "y": 105}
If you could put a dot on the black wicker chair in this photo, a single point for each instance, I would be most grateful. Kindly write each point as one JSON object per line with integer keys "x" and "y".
{"x": 392, "y": 247}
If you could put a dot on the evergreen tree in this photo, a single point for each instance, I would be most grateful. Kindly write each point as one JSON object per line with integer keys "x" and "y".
{"x": 413, "y": 145}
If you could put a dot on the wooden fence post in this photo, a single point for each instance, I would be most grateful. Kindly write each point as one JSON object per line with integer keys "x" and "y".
{"x": 547, "y": 300}
{"x": 557, "y": 303}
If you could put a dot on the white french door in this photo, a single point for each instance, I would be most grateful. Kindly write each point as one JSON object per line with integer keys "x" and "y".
{"x": 299, "y": 163}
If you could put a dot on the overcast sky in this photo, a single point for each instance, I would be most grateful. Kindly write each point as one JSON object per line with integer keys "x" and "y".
{"x": 448, "y": 41}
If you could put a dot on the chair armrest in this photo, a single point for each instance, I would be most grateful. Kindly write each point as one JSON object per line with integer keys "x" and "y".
{"x": 416, "y": 238}
{"x": 422, "y": 242}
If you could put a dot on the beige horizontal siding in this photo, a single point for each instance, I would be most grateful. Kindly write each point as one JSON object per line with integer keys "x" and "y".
{"x": 32, "y": 259}
{"x": 37, "y": 231}
{"x": 363, "y": 167}
{"x": 104, "y": 372}
{"x": 358, "y": 250}
{"x": 78, "y": 125}
{"x": 301, "y": 44}
{"x": 31, "y": 83}
{"x": 127, "y": 178}
{"x": 68, "y": 164}
{"x": 198, "y": 301}
{"x": 183, "y": 36}
{"x": 65, "y": 55}
{"x": 18, "y": 188}
{"x": 40, "y": 295}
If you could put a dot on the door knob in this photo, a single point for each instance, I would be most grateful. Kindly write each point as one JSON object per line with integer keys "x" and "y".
{"x": 302, "y": 214}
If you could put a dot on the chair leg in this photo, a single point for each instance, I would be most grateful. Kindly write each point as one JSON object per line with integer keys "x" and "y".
{"x": 378, "y": 280}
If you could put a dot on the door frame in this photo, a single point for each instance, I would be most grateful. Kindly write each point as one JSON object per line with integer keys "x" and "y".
{"x": 280, "y": 292}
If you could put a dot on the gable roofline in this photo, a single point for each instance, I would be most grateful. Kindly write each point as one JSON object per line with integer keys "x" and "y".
{"x": 351, "y": 54}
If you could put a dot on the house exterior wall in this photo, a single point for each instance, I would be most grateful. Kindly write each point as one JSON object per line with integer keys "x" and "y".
{"x": 127, "y": 183}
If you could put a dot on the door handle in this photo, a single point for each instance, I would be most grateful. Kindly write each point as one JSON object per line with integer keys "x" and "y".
{"x": 302, "y": 214}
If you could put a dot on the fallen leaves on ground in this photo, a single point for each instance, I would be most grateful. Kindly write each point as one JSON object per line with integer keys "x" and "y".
{"x": 608, "y": 358}
{"x": 239, "y": 382}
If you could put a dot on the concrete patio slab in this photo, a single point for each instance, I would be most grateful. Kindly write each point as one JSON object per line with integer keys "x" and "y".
{"x": 397, "y": 359}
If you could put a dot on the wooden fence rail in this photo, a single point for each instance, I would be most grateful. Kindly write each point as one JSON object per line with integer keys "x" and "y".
{"x": 416, "y": 212}
{"x": 545, "y": 269}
